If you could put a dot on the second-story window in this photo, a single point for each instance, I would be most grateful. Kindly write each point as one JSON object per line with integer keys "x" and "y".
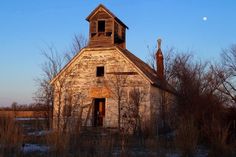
{"x": 100, "y": 71}
{"x": 101, "y": 26}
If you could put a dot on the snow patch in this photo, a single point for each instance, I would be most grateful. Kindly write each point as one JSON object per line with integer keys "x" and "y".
{"x": 28, "y": 119}
{"x": 39, "y": 133}
{"x": 29, "y": 148}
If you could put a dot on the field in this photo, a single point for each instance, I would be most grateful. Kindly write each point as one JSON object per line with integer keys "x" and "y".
{"x": 22, "y": 114}
{"x": 92, "y": 142}
{"x": 30, "y": 137}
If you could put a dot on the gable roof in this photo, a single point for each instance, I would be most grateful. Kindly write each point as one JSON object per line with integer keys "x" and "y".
{"x": 146, "y": 71}
{"x": 108, "y": 11}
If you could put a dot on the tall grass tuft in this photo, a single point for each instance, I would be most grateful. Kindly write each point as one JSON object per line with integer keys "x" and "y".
{"x": 187, "y": 137}
{"x": 70, "y": 144}
{"x": 218, "y": 135}
{"x": 11, "y": 137}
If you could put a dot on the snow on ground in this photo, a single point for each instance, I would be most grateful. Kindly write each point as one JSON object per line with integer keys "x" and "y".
{"x": 202, "y": 152}
{"x": 39, "y": 133}
{"x": 28, "y": 119}
{"x": 139, "y": 152}
{"x": 29, "y": 148}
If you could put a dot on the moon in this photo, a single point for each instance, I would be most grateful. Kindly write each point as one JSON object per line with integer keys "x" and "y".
{"x": 204, "y": 18}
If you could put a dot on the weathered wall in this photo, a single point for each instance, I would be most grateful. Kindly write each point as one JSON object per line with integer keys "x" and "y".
{"x": 81, "y": 77}
{"x": 158, "y": 99}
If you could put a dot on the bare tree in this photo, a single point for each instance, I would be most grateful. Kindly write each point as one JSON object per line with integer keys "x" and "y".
{"x": 79, "y": 42}
{"x": 67, "y": 100}
{"x": 168, "y": 58}
{"x": 14, "y": 107}
{"x": 72, "y": 104}
{"x": 202, "y": 93}
{"x": 198, "y": 97}
{"x": 52, "y": 65}
{"x": 227, "y": 73}
{"x": 132, "y": 113}
{"x": 54, "y": 62}
{"x": 229, "y": 59}
{"x": 151, "y": 58}
{"x": 117, "y": 83}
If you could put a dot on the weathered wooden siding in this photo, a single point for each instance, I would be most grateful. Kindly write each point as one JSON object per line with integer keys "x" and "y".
{"x": 101, "y": 14}
{"x": 84, "y": 80}
{"x": 160, "y": 97}
{"x": 101, "y": 38}
{"x": 155, "y": 99}
{"x": 114, "y": 33}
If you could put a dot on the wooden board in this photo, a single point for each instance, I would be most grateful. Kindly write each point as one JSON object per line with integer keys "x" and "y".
{"x": 99, "y": 92}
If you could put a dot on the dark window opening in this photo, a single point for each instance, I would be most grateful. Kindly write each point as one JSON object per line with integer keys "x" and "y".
{"x": 101, "y": 26}
{"x": 100, "y": 71}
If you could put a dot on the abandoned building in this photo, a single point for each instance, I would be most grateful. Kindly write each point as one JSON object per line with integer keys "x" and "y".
{"x": 104, "y": 84}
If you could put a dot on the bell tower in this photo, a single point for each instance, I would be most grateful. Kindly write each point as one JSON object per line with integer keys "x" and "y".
{"x": 105, "y": 29}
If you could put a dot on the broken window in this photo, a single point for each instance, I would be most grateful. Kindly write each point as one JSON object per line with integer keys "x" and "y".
{"x": 101, "y": 26}
{"x": 100, "y": 71}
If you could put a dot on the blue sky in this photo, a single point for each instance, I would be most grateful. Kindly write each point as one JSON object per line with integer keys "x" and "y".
{"x": 28, "y": 26}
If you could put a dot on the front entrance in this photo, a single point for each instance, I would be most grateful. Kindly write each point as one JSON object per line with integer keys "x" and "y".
{"x": 99, "y": 111}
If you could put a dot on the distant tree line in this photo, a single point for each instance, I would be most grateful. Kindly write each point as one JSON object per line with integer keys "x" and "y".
{"x": 25, "y": 107}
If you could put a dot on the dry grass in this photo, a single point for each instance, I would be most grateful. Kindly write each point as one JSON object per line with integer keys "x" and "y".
{"x": 187, "y": 137}
{"x": 218, "y": 135}
{"x": 25, "y": 114}
{"x": 99, "y": 142}
{"x": 70, "y": 144}
{"x": 10, "y": 137}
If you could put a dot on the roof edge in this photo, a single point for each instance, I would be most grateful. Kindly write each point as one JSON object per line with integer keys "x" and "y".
{"x": 136, "y": 67}
{"x": 67, "y": 65}
{"x": 165, "y": 85}
{"x": 109, "y": 12}
{"x": 74, "y": 58}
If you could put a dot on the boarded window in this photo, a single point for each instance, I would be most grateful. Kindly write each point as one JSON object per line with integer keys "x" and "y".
{"x": 101, "y": 26}
{"x": 100, "y": 71}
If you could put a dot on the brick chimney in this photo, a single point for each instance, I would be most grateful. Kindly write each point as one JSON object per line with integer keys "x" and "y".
{"x": 159, "y": 61}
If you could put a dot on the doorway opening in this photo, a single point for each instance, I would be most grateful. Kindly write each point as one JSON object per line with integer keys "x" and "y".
{"x": 99, "y": 111}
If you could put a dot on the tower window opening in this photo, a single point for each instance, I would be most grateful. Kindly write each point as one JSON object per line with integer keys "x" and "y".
{"x": 101, "y": 26}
